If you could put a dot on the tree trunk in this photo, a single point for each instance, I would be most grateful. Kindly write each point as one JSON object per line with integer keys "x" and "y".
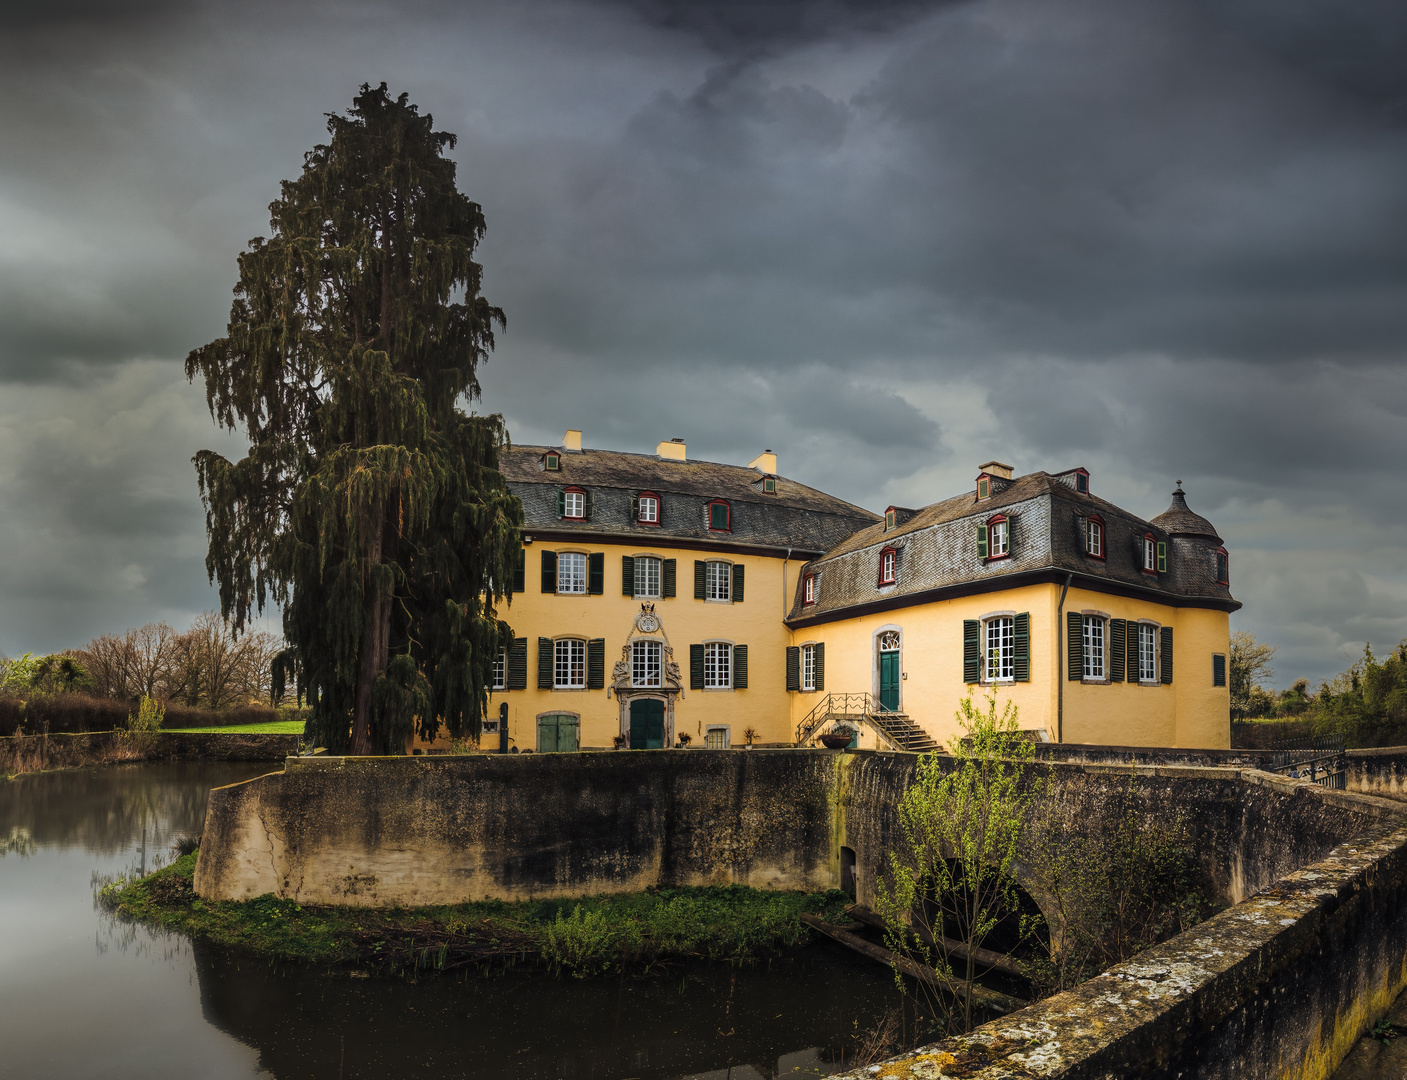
{"x": 376, "y": 638}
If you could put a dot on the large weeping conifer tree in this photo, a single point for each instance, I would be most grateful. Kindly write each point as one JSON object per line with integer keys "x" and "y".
{"x": 370, "y": 506}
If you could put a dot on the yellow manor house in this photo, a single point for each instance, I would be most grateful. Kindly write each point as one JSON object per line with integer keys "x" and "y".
{"x": 664, "y": 600}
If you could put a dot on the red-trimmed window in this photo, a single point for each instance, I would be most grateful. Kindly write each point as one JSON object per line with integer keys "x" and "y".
{"x": 1094, "y": 536}
{"x": 571, "y": 504}
{"x": 720, "y": 516}
{"x": 998, "y": 537}
{"x": 808, "y": 589}
{"x": 891, "y": 518}
{"x": 1082, "y": 481}
{"x": 1223, "y": 567}
{"x": 647, "y": 508}
{"x": 888, "y": 564}
{"x": 1150, "y": 553}
{"x": 551, "y": 462}
{"x": 984, "y": 487}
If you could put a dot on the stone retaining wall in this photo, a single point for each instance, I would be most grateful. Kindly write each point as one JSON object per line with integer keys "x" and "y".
{"x": 38, "y": 753}
{"x": 1378, "y": 772}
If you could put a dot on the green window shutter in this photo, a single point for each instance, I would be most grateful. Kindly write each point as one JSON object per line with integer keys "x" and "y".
{"x": 544, "y": 663}
{"x": 1133, "y": 651}
{"x": 549, "y": 571}
{"x": 518, "y": 664}
{"x": 793, "y": 667}
{"x": 635, "y": 508}
{"x": 739, "y": 667}
{"x": 700, "y": 583}
{"x": 981, "y": 541}
{"x": 696, "y": 667}
{"x": 1118, "y": 635}
{"x": 1021, "y": 647}
{"x": 586, "y": 506}
{"x": 627, "y": 575}
{"x": 1075, "y": 645}
{"x": 668, "y": 576}
{"x": 1162, "y": 557}
{"x": 971, "y": 651}
{"x": 1165, "y": 657}
{"x": 737, "y": 583}
{"x": 596, "y": 663}
{"x": 1218, "y": 669}
{"x": 596, "y": 573}
{"x": 820, "y": 648}
{"x": 561, "y": 504}
{"x": 519, "y": 572}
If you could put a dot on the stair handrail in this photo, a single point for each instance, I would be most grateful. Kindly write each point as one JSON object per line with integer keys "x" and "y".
{"x": 848, "y": 706}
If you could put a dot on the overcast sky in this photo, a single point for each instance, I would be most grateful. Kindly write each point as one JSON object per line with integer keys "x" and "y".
{"x": 889, "y": 241}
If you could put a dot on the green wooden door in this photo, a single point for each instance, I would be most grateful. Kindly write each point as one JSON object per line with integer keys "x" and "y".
{"x": 557, "y": 733}
{"x": 889, "y": 681}
{"x": 647, "y": 724}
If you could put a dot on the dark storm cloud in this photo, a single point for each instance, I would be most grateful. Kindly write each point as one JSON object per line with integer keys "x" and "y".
{"x": 888, "y": 241}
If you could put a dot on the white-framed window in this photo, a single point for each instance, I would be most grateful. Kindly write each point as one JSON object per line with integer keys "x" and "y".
{"x": 718, "y": 581}
{"x": 645, "y": 663}
{"x": 808, "y": 667}
{"x": 569, "y": 667}
{"x": 648, "y": 510}
{"x": 1093, "y": 642}
{"x": 574, "y": 504}
{"x": 1094, "y": 537}
{"x": 718, "y": 665}
{"x": 500, "y": 672}
{"x": 1150, "y": 555}
{"x": 1147, "y": 652}
{"x": 808, "y": 590}
{"x": 999, "y": 539}
{"x": 887, "y": 560}
{"x": 716, "y": 738}
{"x": 647, "y": 575}
{"x": 571, "y": 572}
{"x": 490, "y": 727}
{"x": 1000, "y": 643}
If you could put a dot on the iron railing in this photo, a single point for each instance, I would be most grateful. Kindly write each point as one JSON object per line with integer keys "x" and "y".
{"x": 1316, "y": 758}
{"x": 856, "y": 708}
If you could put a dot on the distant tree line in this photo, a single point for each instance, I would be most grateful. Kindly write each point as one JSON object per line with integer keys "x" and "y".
{"x": 1367, "y": 698}
{"x": 206, "y": 666}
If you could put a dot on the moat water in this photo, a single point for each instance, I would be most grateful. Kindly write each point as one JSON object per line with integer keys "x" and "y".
{"x": 85, "y": 995}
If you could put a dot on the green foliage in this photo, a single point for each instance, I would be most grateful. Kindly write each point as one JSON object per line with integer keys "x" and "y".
{"x": 1248, "y": 665}
{"x": 143, "y": 725}
{"x": 370, "y": 506}
{"x": 583, "y": 936}
{"x": 951, "y": 872}
{"x": 43, "y": 675}
{"x": 1115, "y": 889}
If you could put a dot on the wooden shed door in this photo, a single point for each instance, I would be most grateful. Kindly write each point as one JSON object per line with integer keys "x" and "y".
{"x": 557, "y": 733}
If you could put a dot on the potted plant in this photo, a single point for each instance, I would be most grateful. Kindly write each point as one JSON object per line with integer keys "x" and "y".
{"x": 838, "y": 738}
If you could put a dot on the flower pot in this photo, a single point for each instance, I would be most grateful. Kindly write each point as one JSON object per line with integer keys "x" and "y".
{"x": 836, "y": 740}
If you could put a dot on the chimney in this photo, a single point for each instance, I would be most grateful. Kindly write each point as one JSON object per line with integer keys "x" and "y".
{"x": 765, "y": 462}
{"x": 995, "y": 468}
{"x": 673, "y": 449}
{"x": 572, "y": 440}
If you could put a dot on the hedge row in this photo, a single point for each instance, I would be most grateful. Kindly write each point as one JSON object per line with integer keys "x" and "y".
{"x": 82, "y": 712}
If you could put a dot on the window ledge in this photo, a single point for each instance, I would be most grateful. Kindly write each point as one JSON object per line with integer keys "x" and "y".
{"x": 1095, "y": 682}
{"x": 717, "y": 689}
{"x": 569, "y": 690}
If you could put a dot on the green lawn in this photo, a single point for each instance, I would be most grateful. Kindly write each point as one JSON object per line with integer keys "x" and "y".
{"x": 275, "y": 727}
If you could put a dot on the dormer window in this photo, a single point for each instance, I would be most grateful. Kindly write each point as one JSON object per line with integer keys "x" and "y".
{"x": 891, "y": 519}
{"x": 808, "y": 589}
{"x": 647, "y": 508}
{"x": 769, "y": 485}
{"x": 998, "y": 537}
{"x": 552, "y": 462}
{"x": 1082, "y": 481}
{"x": 984, "y": 487}
{"x": 571, "y": 504}
{"x": 888, "y": 564}
{"x": 1223, "y": 567}
{"x": 720, "y": 518}
{"x": 1150, "y": 554}
{"x": 1094, "y": 537}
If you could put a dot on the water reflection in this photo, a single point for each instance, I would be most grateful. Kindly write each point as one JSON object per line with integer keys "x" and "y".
{"x": 156, "y": 1005}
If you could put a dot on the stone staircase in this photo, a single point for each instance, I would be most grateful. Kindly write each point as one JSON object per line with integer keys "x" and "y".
{"x": 893, "y": 728}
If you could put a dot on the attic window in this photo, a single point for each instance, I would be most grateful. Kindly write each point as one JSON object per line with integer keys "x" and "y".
{"x": 769, "y": 485}
{"x": 719, "y": 516}
{"x": 1082, "y": 481}
{"x": 551, "y": 462}
{"x": 647, "y": 508}
{"x": 888, "y": 560}
{"x": 984, "y": 487}
{"x": 890, "y": 519}
{"x": 1223, "y": 567}
{"x": 998, "y": 537}
{"x": 1094, "y": 537}
{"x": 572, "y": 504}
{"x": 808, "y": 590}
{"x": 1150, "y": 554}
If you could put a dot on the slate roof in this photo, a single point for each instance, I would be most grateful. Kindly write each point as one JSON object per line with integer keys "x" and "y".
{"x": 797, "y": 517}
{"x": 937, "y": 550}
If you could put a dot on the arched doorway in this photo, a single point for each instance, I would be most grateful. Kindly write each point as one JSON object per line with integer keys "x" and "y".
{"x": 887, "y": 645}
{"x": 647, "y": 723}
